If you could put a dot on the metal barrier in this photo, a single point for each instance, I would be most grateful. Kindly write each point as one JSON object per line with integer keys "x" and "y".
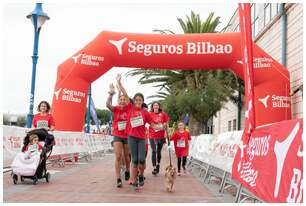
{"x": 207, "y": 171}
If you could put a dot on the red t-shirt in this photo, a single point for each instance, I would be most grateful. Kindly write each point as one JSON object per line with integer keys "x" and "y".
{"x": 119, "y": 122}
{"x": 43, "y": 121}
{"x": 137, "y": 119}
{"x": 158, "y": 118}
{"x": 181, "y": 143}
{"x": 39, "y": 147}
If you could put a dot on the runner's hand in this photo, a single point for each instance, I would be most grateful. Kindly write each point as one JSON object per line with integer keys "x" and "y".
{"x": 118, "y": 78}
{"x": 111, "y": 89}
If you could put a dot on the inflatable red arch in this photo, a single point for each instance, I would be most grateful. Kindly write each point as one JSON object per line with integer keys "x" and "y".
{"x": 185, "y": 51}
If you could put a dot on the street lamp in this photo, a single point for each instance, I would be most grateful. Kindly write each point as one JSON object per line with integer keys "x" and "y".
{"x": 38, "y": 18}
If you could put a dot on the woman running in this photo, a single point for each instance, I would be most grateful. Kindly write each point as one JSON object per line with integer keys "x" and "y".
{"x": 43, "y": 119}
{"x": 136, "y": 120}
{"x": 157, "y": 136}
{"x": 120, "y": 142}
{"x": 181, "y": 139}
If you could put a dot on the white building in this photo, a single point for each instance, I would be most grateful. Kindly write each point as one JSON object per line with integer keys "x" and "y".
{"x": 278, "y": 30}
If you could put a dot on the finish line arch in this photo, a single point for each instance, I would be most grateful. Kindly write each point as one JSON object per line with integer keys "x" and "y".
{"x": 180, "y": 51}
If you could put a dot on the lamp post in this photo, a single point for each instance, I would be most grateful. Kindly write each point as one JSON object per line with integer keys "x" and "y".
{"x": 38, "y": 18}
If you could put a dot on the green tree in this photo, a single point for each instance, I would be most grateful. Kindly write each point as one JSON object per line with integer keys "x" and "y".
{"x": 5, "y": 120}
{"x": 103, "y": 115}
{"x": 21, "y": 121}
{"x": 199, "y": 93}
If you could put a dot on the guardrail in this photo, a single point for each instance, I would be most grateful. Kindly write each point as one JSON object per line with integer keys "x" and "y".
{"x": 213, "y": 156}
{"x": 67, "y": 145}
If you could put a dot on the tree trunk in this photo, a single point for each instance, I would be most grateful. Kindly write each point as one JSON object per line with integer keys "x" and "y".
{"x": 195, "y": 127}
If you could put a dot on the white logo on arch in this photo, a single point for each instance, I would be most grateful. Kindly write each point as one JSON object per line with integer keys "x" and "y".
{"x": 118, "y": 44}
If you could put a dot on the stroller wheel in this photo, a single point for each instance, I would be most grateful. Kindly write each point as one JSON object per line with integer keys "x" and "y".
{"x": 35, "y": 180}
{"x": 15, "y": 179}
{"x": 48, "y": 176}
{"x": 22, "y": 179}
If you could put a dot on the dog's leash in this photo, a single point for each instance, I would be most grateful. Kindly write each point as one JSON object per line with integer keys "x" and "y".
{"x": 168, "y": 146}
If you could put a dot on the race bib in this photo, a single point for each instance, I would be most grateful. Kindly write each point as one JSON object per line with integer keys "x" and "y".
{"x": 121, "y": 125}
{"x": 181, "y": 143}
{"x": 136, "y": 121}
{"x": 42, "y": 124}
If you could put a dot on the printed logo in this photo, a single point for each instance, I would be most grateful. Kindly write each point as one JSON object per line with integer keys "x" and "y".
{"x": 118, "y": 44}
{"x": 70, "y": 95}
{"x": 56, "y": 93}
{"x": 260, "y": 62}
{"x": 75, "y": 58}
{"x": 280, "y": 150}
{"x": 277, "y": 101}
{"x": 86, "y": 59}
{"x": 264, "y": 101}
{"x": 188, "y": 48}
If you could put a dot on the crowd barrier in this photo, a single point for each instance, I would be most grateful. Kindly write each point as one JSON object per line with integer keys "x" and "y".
{"x": 213, "y": 156}
{"x": 67, "y": 143}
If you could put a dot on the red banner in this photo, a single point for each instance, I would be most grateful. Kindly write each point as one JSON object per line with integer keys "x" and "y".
{"x": 273, "y": 165}
{"x": 247, "y": 62}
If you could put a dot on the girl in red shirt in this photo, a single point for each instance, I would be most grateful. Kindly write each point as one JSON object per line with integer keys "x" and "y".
{"x": 43, "y": 119}
{"x": 157, "y": 136}
{"x": 181, "y": 139}
{"x": 136, "y": 119}
{"x": 120, "y": 142}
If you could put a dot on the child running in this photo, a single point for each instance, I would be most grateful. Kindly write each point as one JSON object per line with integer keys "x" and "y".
{"x": 181, "y": 144}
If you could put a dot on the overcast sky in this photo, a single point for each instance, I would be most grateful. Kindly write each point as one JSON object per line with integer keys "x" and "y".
{"x": 71, "y": 27}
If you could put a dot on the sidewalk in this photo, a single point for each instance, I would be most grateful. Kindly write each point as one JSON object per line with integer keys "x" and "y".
{"x": 95, "y": 182}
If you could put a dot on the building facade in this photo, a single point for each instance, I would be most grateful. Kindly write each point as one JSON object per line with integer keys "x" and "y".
{"x": 278, "y": 30}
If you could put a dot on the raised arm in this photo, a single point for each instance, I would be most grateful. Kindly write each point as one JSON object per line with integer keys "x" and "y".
{"x": 110, "y": 97}
{"x": 121, "y": 88}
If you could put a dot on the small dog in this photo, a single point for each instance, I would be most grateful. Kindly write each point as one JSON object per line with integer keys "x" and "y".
{"x": 170, "y": 176}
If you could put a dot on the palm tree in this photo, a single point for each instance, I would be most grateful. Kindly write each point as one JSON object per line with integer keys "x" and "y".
{"x": 199, "y": 93}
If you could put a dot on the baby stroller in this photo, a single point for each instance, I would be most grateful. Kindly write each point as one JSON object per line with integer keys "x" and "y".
{"x": 35, "y": 168}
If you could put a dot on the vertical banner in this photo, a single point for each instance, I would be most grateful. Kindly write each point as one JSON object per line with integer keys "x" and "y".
{"x": 248, "y": 72}
{"x": 94, "y": 115}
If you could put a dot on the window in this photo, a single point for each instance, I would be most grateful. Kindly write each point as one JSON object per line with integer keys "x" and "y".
{"x": 234, "y": 124}
{"x": 270, "y": 11}
{"x": 229, "y": 125}
{"x": 274, "y": 10}
{"x": 267, "y": 13}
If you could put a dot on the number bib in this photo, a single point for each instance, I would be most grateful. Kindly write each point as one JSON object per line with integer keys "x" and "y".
{"x": 121, "y": 125}
{"x": 42, "y": 124}
{"x": 180, "y": 143}
{"x": 136, "y": 121}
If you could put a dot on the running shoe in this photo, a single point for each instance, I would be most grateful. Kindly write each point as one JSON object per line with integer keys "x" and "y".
{"x": 179, "y": 174}
{"x": 154, "y": 172}
{"x": 141, "y": 180}
{"x": 135, "y": 185}
{"x": 127, "y": 175}
{"x": 119, "y": 183}
{"x": 157, "y": 169}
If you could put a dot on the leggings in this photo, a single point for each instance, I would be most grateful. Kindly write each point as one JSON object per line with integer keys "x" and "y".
{"x": 179, "y": 160}
{"x": 156, "y": 146}
{"x": 137, "y": 148}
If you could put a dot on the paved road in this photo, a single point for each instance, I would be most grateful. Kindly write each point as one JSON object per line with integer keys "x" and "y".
{"x": 95, "y": 182}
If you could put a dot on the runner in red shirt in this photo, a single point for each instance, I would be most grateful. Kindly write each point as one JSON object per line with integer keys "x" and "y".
{"x": 157, "y": 136}
{"x": 120, "y": 142}
{"x": 43, "y": 119}
{"x": 135, "y": 128}
{"x": 181, "y": 139}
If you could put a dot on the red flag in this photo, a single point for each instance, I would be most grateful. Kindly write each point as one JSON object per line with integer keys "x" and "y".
{"x": 247, "y": 62}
